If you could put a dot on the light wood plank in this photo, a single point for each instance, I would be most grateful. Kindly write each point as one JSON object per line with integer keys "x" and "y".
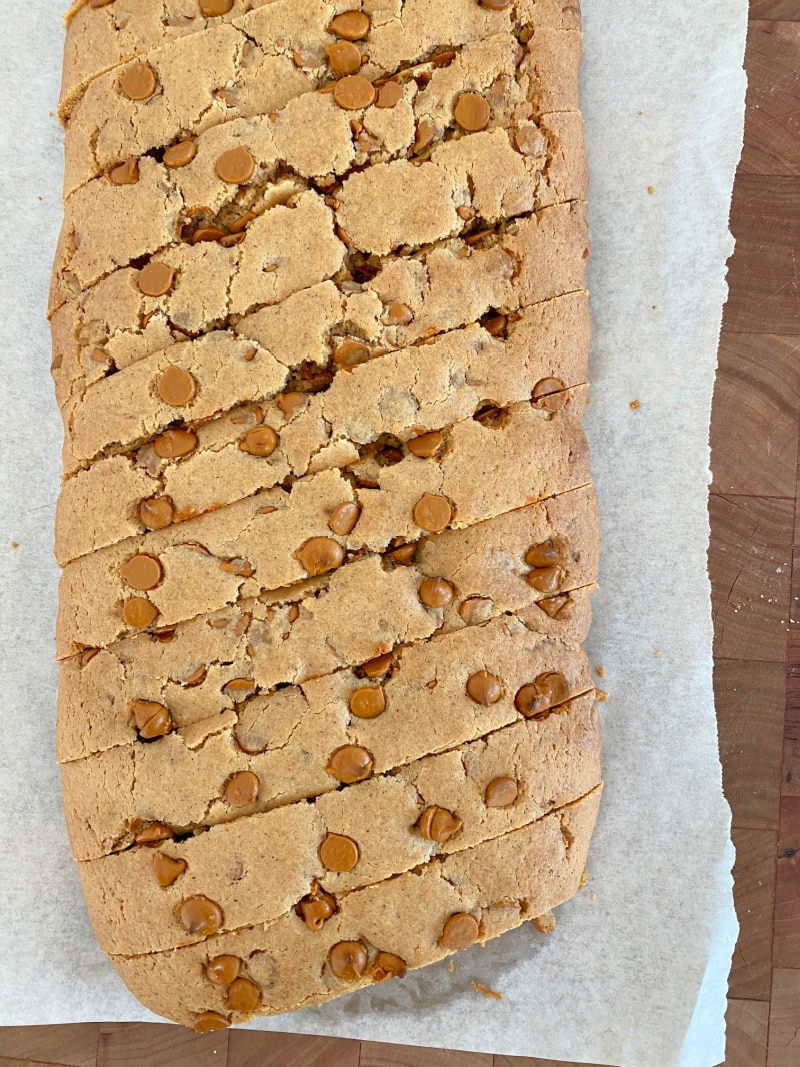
{"x": 248, "y": 1048}
{"x": 754, "y": 886}
{"x": 775, "y": 9}
{"x": 746, "y": 1038}
{"x": 72, "y": 1046}
{"x": 153, "y": 1045}
{"x": 772, "y": 123}
{"x": 375, "y": 1054}
{"x": 786, "y": 949}
{"x": 784, "y": 1019}
{"x": 749, "y": 564}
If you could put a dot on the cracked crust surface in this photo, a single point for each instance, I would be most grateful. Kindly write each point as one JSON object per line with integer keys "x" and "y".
{"x": 328, "y": 535}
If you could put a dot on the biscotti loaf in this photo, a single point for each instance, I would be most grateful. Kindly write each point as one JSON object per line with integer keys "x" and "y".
{"x": 327, "y": 527}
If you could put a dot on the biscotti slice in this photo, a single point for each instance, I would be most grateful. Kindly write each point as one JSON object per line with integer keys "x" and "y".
{"x": 537, "y": 562}
{"x": 377, "y": 933}
{"x": 289, "y": 741}
{"x": 152, "y": 102}
{"x": 132, "y": 485}
{"x": 343, "y": 840}
{"x": 454, "y": 283}
{"x": 99, "y": 40}
{"x": 279, "y": 537}
{"x": 491, "y": 175}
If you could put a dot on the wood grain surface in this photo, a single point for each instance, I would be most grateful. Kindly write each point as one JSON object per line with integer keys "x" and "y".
{"x": 754, "y": 562}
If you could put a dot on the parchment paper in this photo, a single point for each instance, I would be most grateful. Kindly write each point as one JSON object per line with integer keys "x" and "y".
{"x": 635, "y": 973}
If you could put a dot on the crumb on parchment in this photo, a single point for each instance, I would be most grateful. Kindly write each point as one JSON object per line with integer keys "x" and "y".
{"x": 451, "y": 966}
{"x": 491, "y": 994}
{"x": 601, "y": 695}
{"x": 14, "y": 544}
{"x": 635, "y": 405}
{"x": 600, "y": 672}
{"x": 545, "y": 923}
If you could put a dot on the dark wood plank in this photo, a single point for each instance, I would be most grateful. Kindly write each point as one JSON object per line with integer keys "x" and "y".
{"x": 749, "y": 564}
{"x": 786, "y": 949}
{"x": 73, "y": 1046}
{"x": 527, "y": 1061}
{"x": 790, "y": 775}
{"x": 753, "y": 889}
{"x": 775, "y": 9}
{"x": 153, "y": 1045}
{"x": 764, "y": 275}
{"x": 4, "y": 1062}
{"x": 750, "y": 712}
{"x": 746, "y": 1038}
{"x": 755, "y": 415}
{"x": 248, "y": 1048}
{"x": 772, "y": 124}
{"x": 784, "y": 1019}
{"x": 376, "y": 1054}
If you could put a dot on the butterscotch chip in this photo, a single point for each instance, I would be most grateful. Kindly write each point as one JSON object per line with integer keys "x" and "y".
{"x": 539, "y": 696}
{"x": 223, "y": 970}
{"x": 180, "y": 154}
{"x": 317, "y": 907}
{"x": 156, "y": 279}
{"x": 387, "y": 965}
{"x": 352, "y": 25}
{"x": 156, "y": 512}
{"x": 397, "y": 314}
{"x": 349, "y": 348}
{"x": 242, "y": 222}
{"x": 426, "y": 131}
{"x": 472, "y": 112}
{"x": 460, "y": 931}
{"x": 338, "y": 853}
{"x": 166, "y": 869}
{"x": 176, "y": 387}
{"x": 207, "y": 233}
{"x": 552, "y": 605}
{"x": 354, "y": 92}
{"x": 172, "y": 444}
{"x": 206, "y": 1021}
{"x": 152, "y": 719}
{"x": 154, "y": 834}
{"x": 126, "y": 173}
{"x": 344, "y": 518}
{"x": 319, "y": 555}
{"x": 426, "y": 445}
{"x": 200, "y": 915}
{"x": 261, "y": 441}
{"x": 545, "y": 579}
{"x": 142, "y": 571}
{"x": 404, "y": 555}
{"x": 236, "y": 165}
{"x": 501, "y": 792}
{"x": 475, "y": 609}
{"x": 239, "y": 688}
{"x": 496, "y": 5}
{"x": 350, "y": 763}
{"x": 214, "y": 8}
{"x": 432, "y": 513}
{"x": 547, "y": 387}
{"x": 438, "y": 824}
{"x": 544, "y": 555}
{"x": 377, "y": 667}
{"x": 100, "y": 3}
{"x": 138, "y": 82}
{"x": 241, "y": 789}
{"x": 389, "y": 95}
{"x": 290, "y": 402}
{"x": 343, "y": 57}
{"x": 243, "y": 995}
{"x": 348, "y": 960}
{"x": 436, "y": 592}
{"x": 138, "y": 612}
{"x": 368, "y": 702}
{"x": 484, "y": 688}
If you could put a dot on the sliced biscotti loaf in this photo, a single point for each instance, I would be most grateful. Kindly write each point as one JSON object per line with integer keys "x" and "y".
{"x": 279, "y": 536}
{"x": 487, "y": 176}
{"x": 376, "y": 933}
{"x": 294, "y": 742}
{"x": 448, "y": 285}
{"x": 343, "y": 840}
{"x": 121, "y": 424}
{"x": 154, "y": 102}
{"x": 538, "y": 562}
